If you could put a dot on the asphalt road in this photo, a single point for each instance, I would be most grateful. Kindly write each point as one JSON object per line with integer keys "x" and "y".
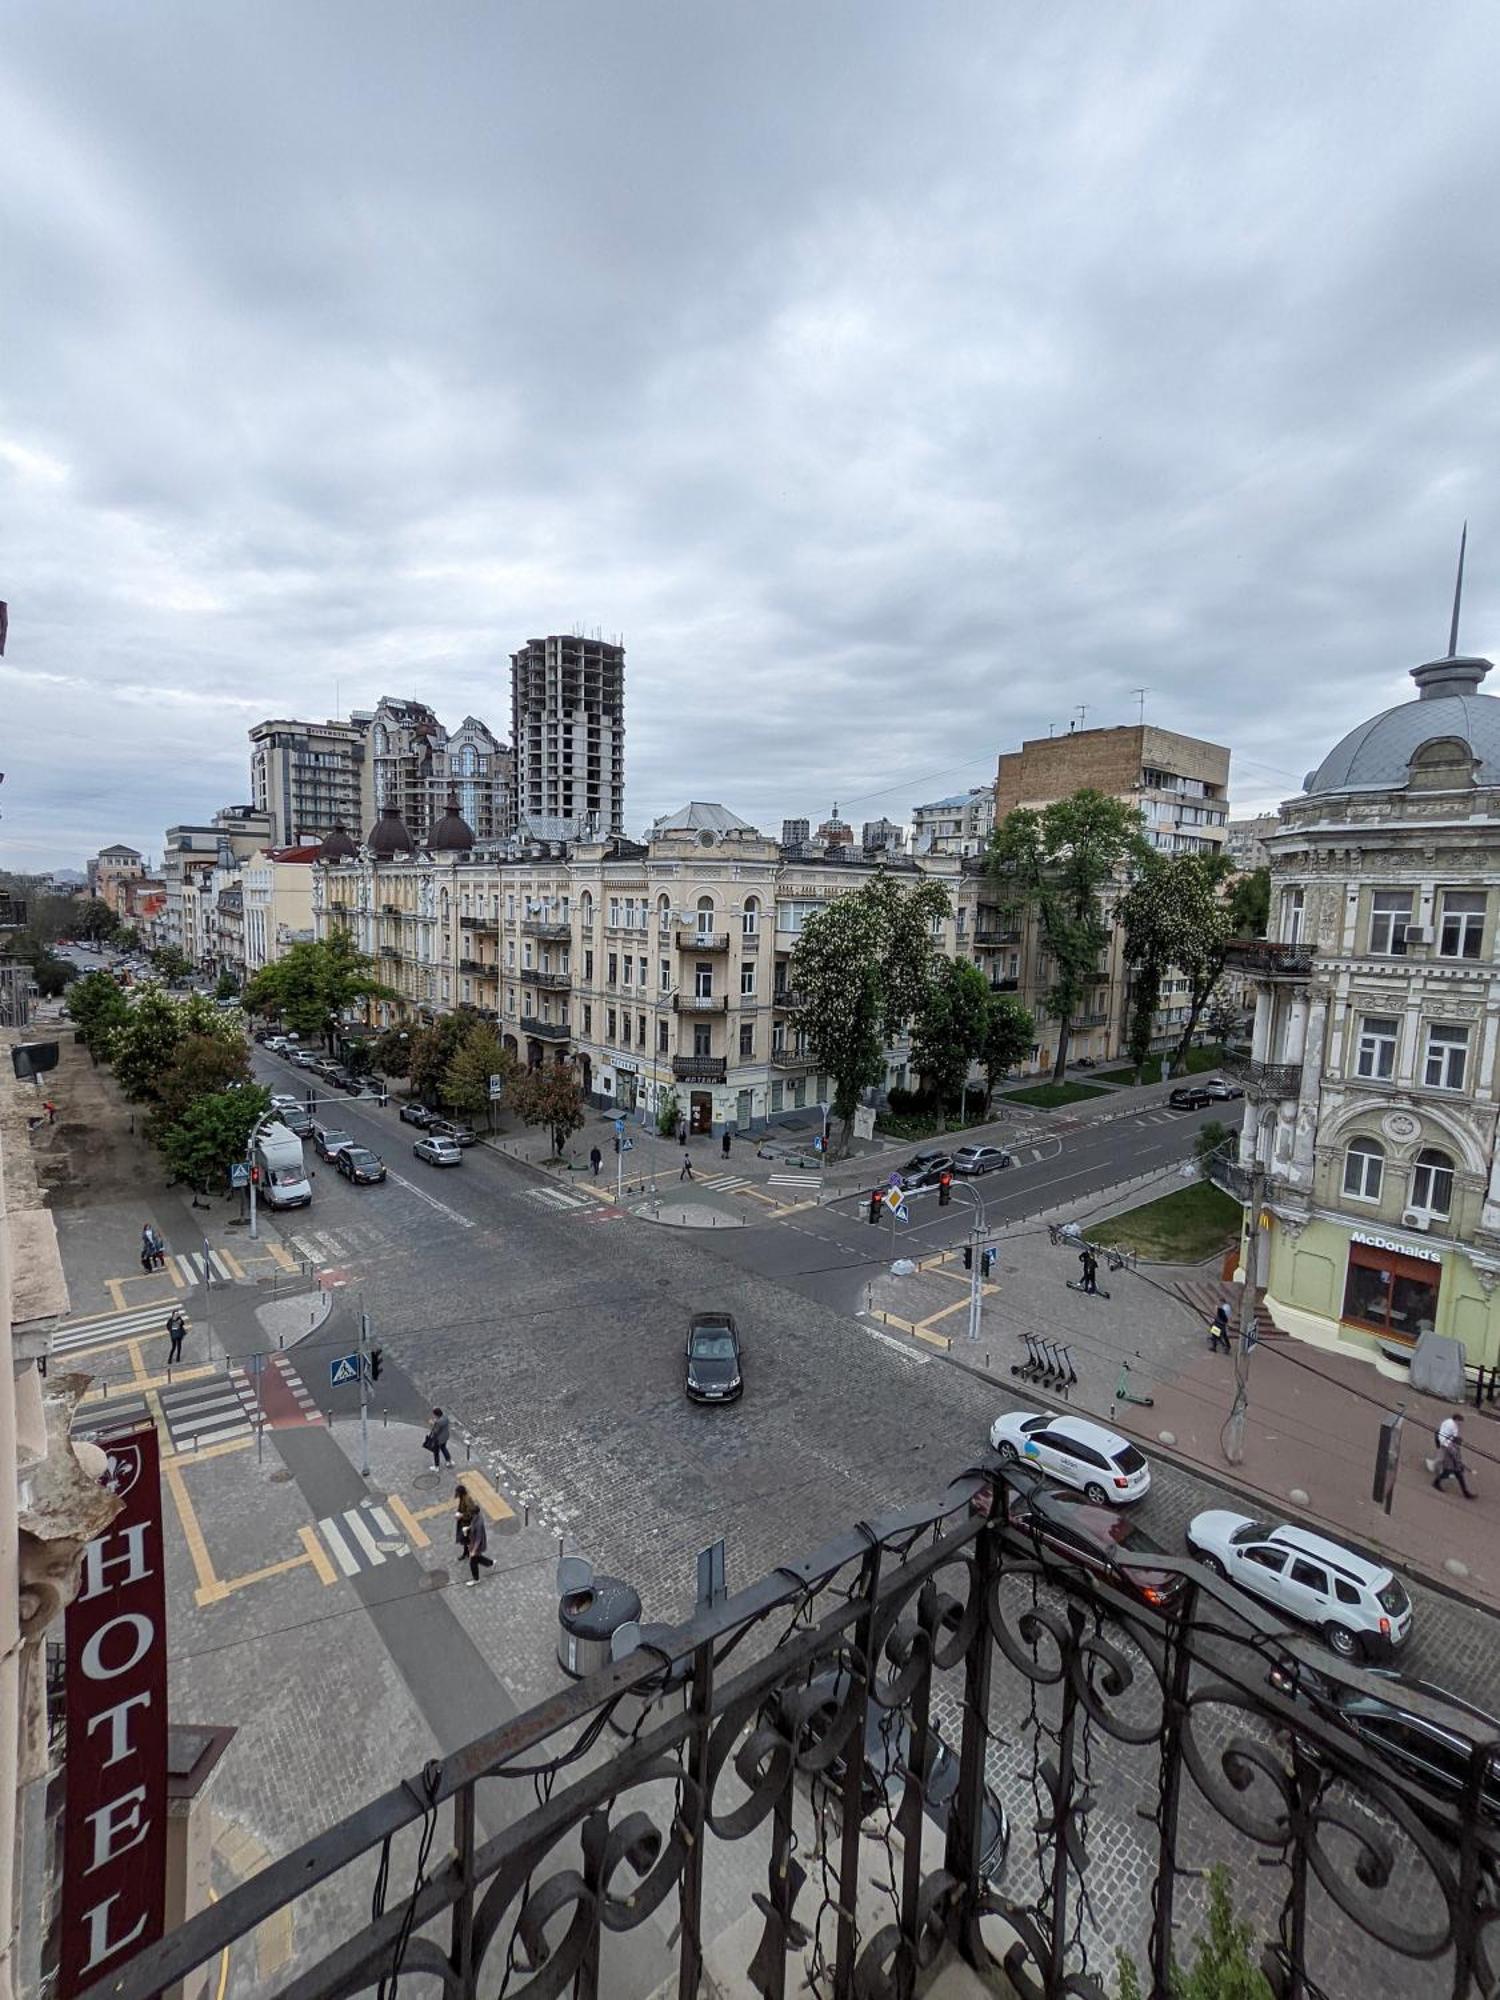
{"x": 555, "y": 1338}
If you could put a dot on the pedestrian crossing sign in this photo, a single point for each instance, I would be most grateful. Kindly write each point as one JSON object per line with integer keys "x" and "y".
{"x": 344, "y": 1369}
{"x": 895, "y": 1201}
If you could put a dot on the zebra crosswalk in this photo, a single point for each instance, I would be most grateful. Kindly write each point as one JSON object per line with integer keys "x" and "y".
{"x": 208, "y": 1412}
{"x": 96, "y": 1330}
{"x": 191, "y": 1264}
{"x": 726, "y": 1183}
{"x": 361, "y": 1538}
{"x": 111, "y": 1414}
{"x": 804, "y": 1181}
{"x": 558, "y": 1198}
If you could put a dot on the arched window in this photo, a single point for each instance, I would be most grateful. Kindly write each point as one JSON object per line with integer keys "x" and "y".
{"x": 750, "y": 920}
{"x": 664, "y": 914}
{"x": 1432, "y": 1182}
{"x": 705, "y": 915}
{"x": 586, "y": 910}
{"x": 1364, "y": 1169}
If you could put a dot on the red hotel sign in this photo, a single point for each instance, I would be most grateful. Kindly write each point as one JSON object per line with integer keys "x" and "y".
{"x": 115, "y": 1821}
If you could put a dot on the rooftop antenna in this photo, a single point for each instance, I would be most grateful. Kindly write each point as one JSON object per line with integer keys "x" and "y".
{"x": 1083, "y": 713}
{"x": 1140, "y": 700}
{"x": 1458, "y": 594}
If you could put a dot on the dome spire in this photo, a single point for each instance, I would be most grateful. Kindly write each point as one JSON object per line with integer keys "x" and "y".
{"x": 1458, "y": 594}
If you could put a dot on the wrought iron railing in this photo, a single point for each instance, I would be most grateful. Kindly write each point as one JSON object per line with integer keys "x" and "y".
{"x": 746, "y": 1743}
{"x": 544, "y": 1031}
{"x": 1264, "y": 1082}
{"x": 1265, "y": 958}
{"x": 1224, "y": 1170}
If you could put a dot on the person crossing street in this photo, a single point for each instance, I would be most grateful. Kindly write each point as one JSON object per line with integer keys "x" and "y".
{"x": 687, "y": 1168}
{"x": 177, "y": 1328}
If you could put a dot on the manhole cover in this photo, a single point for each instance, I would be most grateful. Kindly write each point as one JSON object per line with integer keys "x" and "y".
{"x": 280, "y": 1476}
{"x": 436, "y": 1579}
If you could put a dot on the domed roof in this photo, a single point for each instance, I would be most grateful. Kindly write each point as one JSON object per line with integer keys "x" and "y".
{"x": 1377, "y": 755}
{"x": 389, "y": 836}
{"x": 452, "y": 834}
{"x": 337, "y": 846}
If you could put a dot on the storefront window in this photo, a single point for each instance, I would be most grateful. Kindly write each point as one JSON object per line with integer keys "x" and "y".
{"x": 1389, "y": 1293}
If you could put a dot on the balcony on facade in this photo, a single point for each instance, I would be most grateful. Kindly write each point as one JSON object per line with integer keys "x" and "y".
{"x": 1353, "y": 1861}
{"x": 481, "y": 965}
{"x": 987, "y": 936}
{"x": 545, "y": 1031}
{"x": 1260, "y": 958}
{"x": 700, "y": 1003}
{"x": 391, "y": 910}
{"x": 1005, "y": 985}
{"x": 1264, "y": 1082}
{"x": 787, "y": 998}
{"x": 390, "y": 951}
{"x": 700, "y": 1069}
{"x": 1223, "y": 1169}
{"x": 538, "y": 927}
{"x": 703, "y": 940}
{"x": 551, "y": 982}
{"x": 792, "y": 1059}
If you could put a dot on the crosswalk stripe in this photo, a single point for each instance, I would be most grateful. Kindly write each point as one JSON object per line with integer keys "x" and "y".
{"x": 331, "y": 1244}
{"x": 109, "y": 1326}
{"x": 384, "y": 1522}
{"x": 796, "y": 1180}
{"x": 309, "y": 1252}
{"x": 728, "y": 1182}
{"x": 335, "y": 1541}
{"x": 362, "y": 1535}
{"x": 113, "y": 1413}
{"x": 557, "y": 1198}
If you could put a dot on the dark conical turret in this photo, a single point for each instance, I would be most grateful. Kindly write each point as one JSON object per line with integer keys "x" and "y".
{"x": 388, "y": 836}
{"x": 452, "y": 834}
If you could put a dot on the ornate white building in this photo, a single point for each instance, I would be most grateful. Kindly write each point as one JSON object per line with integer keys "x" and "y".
{"x": 1372, "y": 1082}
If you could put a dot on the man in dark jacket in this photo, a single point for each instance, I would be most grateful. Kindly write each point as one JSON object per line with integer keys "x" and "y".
{"x": 436, "y": 1441}
{"x": 177, "y": 1328}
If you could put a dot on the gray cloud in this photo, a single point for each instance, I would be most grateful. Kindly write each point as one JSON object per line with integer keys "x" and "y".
{"x": 893, "y": 380}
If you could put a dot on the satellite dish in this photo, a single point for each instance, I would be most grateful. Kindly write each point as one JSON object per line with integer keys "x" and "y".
{"x": 573, "y": 1573}
{"x": 625, "y": 1639}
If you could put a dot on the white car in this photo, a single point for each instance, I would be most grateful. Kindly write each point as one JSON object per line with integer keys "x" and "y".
{"x": 1356, "y": 1604}
{"x": 1105, "y": 1467}
{"x": 439, "y": 1152}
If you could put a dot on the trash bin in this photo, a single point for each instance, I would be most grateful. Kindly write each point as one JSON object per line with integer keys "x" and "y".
{"x": 666, "y": 1696}
{"x": 588, "y": 1617}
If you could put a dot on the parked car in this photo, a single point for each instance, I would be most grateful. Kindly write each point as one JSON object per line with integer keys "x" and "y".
{"x": 417, "y": 1114}
{"x": 283, "y": 1100}
{"x": 329, "y": 1141}
{"x": 1357, "y": 1605}
{"x": 438, "y": 1152}
{"x": 1403, "y": 1734}
{"x": 451, "y": 1128}
{"x": 980, "y": 1159}
{"x": 303, "y": 1058}
{"x": 350, "y": 1082}
{"x": 1190, "y": 1097}
{"x": 1071, "y": 1526}
{"x": 714, "y": 1358}
{"x": 1099, "y": 1462}
{"x": 925, "y": 1169}
{"x": 359, "y": 1164}
{"x": 296, "y": 1118}
{"x": 1221, "y": 1090}
{"x": 806, "y": 1715}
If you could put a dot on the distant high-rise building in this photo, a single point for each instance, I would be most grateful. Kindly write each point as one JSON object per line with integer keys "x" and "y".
{"x": 835, "y": 832}
{"x": 796, "y": 832}
{"x": 882, "y": 836}
{"x": 416, "y": 766}
{"x": 568, "y": 728}
{"x": 308, "y": 777}
{"x": 960, "y": 825}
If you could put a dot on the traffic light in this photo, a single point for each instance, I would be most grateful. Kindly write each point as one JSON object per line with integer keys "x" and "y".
{"x": 986, "y": 1263}
{"x": 255, "y": 1176}
{"x": 375, "y": 1364}
{"x": 968, "y": 1256}
{"x": 874, "y": 1215}
{"x": 945, "y": 1190}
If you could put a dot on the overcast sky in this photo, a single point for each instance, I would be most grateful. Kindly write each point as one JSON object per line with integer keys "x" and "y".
{"x": 895, "y": 380}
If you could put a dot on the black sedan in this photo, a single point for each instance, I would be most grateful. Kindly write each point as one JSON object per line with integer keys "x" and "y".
{"x": 417, "y": 1114}
{"x": 1190, "y": 1097}
{"x": 925, "y": 1170}
{"x": 358, "y": 1163}
{"x": 807, "y": 1713}
{"x": 714, "y": 1358}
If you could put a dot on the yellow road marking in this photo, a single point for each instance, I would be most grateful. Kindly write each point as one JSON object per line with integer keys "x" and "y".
{"x": 281, "y": 1256}
{"x": 199, "y": 1454}
{"x": 210, "y": 1590}
{"x": 176, "y": 1276}
{"x": 485, "y": 1494}
{"x": 280, "y": 1568}
{"x": 116, "y": 1289}
{"x": 317, "y": 1556}
{"x": 228, "y": 1257}
{"x": 415, "y": 1532}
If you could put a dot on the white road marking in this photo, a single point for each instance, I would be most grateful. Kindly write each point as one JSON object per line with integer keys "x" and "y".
{"x": 463, "y": 1221}
{"x": 331, "y": 1244}
{"x": 363, "y": 1536}
{"x": 308, "y": 1251}
{"x": 889, "y": 1340}
{"x": 340, "y": 1548}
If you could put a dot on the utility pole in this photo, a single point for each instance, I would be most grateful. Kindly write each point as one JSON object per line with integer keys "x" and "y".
{"x": 364, "y": 1395}
{"x": 976, "y": 1279}
{"x": 1234, "y": 1430}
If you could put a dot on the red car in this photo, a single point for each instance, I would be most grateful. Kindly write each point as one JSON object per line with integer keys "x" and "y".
{"x": 1067, "y": 1525}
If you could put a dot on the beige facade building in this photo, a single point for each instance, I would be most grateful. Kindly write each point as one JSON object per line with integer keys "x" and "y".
{"x": 111, "y": 873}
{"x": 309, "y": 777}
{"x": 961, "y": 824}
{"x": 277, "y": 892}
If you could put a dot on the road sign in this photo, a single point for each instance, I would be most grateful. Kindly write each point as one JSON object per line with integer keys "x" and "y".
{"x": 344, "y": 1369}
{"x": 818, "y": 1144}
{"x": 627, "y": 1145}
{"x": 497, "y": 1086}
{"x": 239, "y": 1174}
{"x": 619, "y": 1126}
{"x": 895, "y": 1201}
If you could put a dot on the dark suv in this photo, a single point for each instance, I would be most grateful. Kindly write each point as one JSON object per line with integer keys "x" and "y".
{"x": 1190, "y": 1097}
{"x": 925, "y": 1169}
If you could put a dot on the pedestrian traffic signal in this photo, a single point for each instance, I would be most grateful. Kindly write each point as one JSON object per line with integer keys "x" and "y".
{"x": 986, "y": 1263}
{"x": 968, "y": 1256}
{"x": 375, "y": 1364}
{"x": 945, "y": 1190}
{"x": 875, "y": 1201}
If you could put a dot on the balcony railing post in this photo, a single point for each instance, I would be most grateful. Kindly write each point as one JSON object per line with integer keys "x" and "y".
{"x": 462, "y": 1948}
{"x": 1169, "y": 1797}
{"x": 851, "y": 1804}
{"x": 690, "y": 1885}
{"x": 965, "y": 1842}
{"x": 1064, "y": 1832}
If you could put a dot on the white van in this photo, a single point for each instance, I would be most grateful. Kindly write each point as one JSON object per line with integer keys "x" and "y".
{"x": 283, "y": 1179}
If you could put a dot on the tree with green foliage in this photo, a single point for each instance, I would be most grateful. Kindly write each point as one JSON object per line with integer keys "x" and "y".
{"x": 1210, "y": 1139}
{"x": 433, "y": 1049}
{"x": 948, "y": 1031}
{"x": 391, "y": 1054}
{"x": 53, "y": 975}
{"x": 549, "y": 1095}
{"x": 228, "y": 985}
{"x": 668, "y": 1114}
{"x": 314, "y": 985}
{"x": 862, "y": 968}
{"x": 98, "y": 1006}
{"x": 211, "y": 1134}
{"x": 143, "y": 1046}
{"x": 171, "y": 964}
{"x": 201, "y": 1066}
{"x": 1009, "y": 1037}
{"x": 1224, "y": 1964}
{"x": 466, "y": 1081}
{"x": 128, "y": 938}
{"x": 93, "y": 920}
{"x": 1250, "y": 904}
{"x": 1059, "y": 862}
{"x": 1175, "y": 917}
{"x": 1222, "y": 1015}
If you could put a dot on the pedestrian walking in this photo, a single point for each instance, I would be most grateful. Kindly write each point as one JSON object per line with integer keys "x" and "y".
{"x": 476, "y": 1541}
{"x": 1218, "y": 1330}
{"x": 177, "y": 1328}
{"x": 726, "y": 1142}
{"x": 158, "y": 1249}
{"x": 687, "y": 1168}
{"x": 465, "y": 1507}
{"x": 436, "y": 1441}
{"x": 682, "y": 1131}
{"x": 596, "y": 1160}
{"x": 1088, "y": 1258}
{"x": 1450, "y": 1444}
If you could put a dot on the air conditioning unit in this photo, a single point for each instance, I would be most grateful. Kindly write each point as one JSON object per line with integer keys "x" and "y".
{"x": 1415, "y": 1218}
{"x": 1418, "y": 934}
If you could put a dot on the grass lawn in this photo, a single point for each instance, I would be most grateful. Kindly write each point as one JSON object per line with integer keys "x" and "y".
{"x": 1182, "y": 1228}
{"x": 1210, "y": 1056}
{"x": 1050, "y": 1095}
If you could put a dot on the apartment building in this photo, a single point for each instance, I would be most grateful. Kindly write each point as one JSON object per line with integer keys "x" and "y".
{"x": 884, "y": 836}
{"x": 568, "y": 732}
{"x": 277, "y": 903}
{"x": 190, "y": 854}
{"x": 652, "y": 966}
{"x": 1245, "y": 841}
{"x": 111, "y": 873}
{"x": 1373, "y": 1081}
{"x": 960, "y": 825}
{"x": 309, "y": 777}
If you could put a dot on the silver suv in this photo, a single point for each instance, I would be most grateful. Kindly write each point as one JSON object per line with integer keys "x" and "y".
{"x": 1357, "y": 1605}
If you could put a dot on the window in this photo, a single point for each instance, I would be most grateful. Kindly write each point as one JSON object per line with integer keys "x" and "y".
{"x": 640, "y": 1029}
{"x": 664, "y": 915}
{"x": 624, "y": 1031}
{"x": 1447, "y": 1056}
{"x": 1293, "y": 906}
{"x": 510, "y": 909}
{"x": 1272, "y": 1559}
{"x": 1309, "y": 1575}
{"x": 1390, "y": 913}
{"x": 613, "y": 973}
{"x": 705, "y": 916}
{"x": 703, "y": 1040}
{"x": 747, "y": 982}
{"x": 747, "y": 1041}
{"x": 1377, "y": 1045}
{"x": 1462, "y": 934}
{"x": 1345, "y": 1591}
{"x": 627, "y": 975}
{"x": 1432, "y": 1182}
{"x": 750, "y": 918}
{"x": 609, "y": 1025}
{"x": 1364, "y": 1169}
{"x": 586, "y": 909}
{"x": 664, "y": 975}
{"x": 588, "y": 1018}
{"x": 588, "y": 967}
{"x": 663, "y": 1038}
{"x": 614, "y": 913}
{"x": 510, "y": 953}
